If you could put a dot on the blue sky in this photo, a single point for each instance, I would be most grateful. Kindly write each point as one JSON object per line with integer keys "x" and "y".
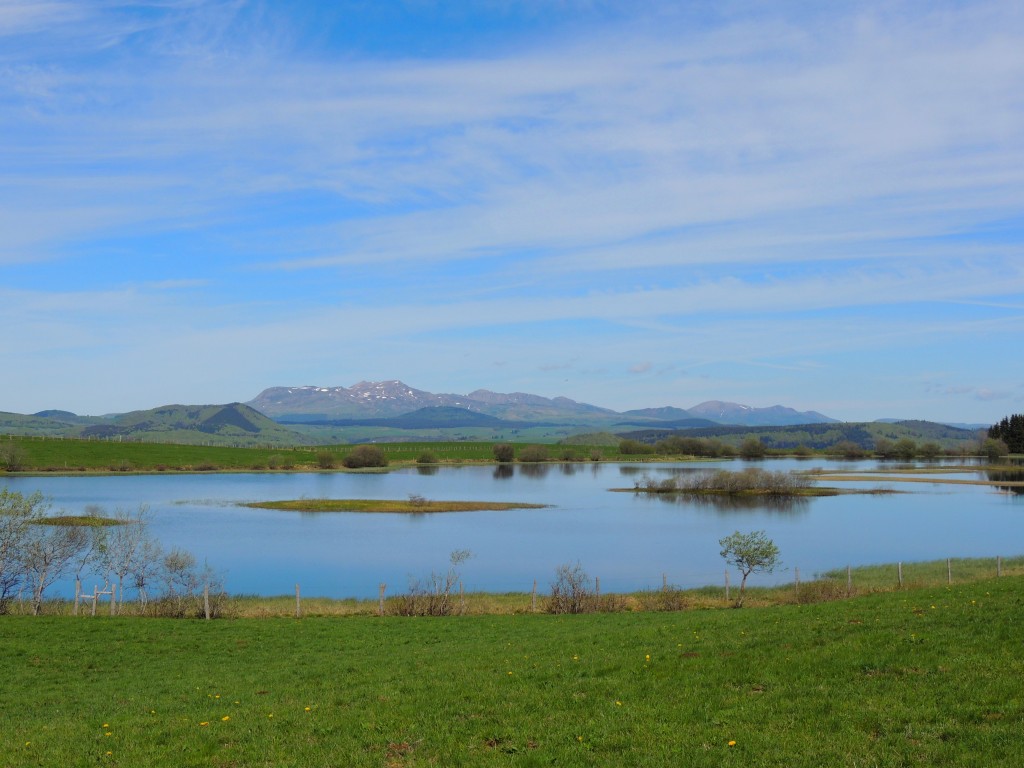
{"x": 813, "y": 204}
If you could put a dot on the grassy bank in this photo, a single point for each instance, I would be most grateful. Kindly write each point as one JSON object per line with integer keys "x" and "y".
{"x": 928, "y": 677}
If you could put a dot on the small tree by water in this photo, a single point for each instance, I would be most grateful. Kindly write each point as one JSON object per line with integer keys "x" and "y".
{"x": 750, "y": 553}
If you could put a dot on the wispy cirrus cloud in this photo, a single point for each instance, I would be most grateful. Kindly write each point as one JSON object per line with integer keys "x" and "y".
{"x": 754, "y": 186}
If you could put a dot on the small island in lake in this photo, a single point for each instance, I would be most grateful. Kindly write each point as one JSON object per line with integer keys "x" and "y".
{"x": 415, "y": 505}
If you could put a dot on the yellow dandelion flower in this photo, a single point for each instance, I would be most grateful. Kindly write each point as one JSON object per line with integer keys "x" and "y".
{"x": 109, "y": 753}
{"x": 225, "y": 718}
{"x": 618, "y": 703}
{"x": 108, "y": 733}
{"x": 647, "y": 657}
{"x": 308, "y": 708}
{"x": 579, "y": 738}
{"x": 732, "y": 743}
{"x": 106, "y": 725}
{"x": 270, "y": 715}
{"x": 204, "y": 723}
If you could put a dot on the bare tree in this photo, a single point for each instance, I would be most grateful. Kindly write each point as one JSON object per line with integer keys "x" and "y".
{"x": 571, "y": 591}
{"x": 123, "y": 547}
{"x": 145, "y": 569}
{"x": 17, "y": 512}
{"x": 49, "y": 552}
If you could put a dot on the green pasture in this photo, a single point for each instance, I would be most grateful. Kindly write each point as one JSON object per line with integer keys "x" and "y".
{"x": 73, "y": 455}
{"x": 912, "y": 677}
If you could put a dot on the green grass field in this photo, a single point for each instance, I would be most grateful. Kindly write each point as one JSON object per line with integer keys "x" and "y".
{"x": 72, "y": 455}
{"x": 913, "y": 677}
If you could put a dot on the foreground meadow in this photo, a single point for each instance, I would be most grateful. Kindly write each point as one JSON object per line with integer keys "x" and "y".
{"x": 911, "y": 677}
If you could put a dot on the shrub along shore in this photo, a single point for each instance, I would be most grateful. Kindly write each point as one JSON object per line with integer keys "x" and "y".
{"x": 838, "y": 585}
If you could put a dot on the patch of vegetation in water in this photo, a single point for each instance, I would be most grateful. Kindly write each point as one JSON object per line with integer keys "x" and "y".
{"x": 80, "y": 521}
{"x": 414, "y": 505}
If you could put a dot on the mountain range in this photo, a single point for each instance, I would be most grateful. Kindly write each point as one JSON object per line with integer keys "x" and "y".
{"x": 394, "y": 411}
{"x": 387, "y": 399}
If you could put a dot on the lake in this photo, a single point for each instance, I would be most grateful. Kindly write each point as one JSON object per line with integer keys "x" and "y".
{"x": 626, "y": 540}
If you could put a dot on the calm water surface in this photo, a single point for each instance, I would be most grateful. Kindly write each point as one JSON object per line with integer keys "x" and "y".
{"x": 628, "y": 541}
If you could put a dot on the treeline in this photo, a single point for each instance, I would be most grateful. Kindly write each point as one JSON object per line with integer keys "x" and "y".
{"x": 1011, "y": 431}
{"x": 904, "y": 449}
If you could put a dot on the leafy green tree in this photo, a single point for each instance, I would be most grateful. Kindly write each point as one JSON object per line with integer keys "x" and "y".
{"x": 994, "y": 450}
{"x": 906, "y": 449}
{"x": 634, "y": 448}
{"x": 885, "y": 448}
{"x": 849, "y": 450}
{"x": 750, "y": 553}
{"x": 752, "y": 448}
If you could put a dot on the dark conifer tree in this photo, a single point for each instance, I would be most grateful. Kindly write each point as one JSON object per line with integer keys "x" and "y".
{"x": 1011, "y": 431}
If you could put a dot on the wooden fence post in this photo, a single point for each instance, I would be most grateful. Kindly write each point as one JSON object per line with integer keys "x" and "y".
{"x": 999, "y": 565}
{"x": 899, "y": 573}
{"x": 95, "y": 598}
{"x": 849, "y": 581}
{"x": 726, "y": 583}
{"x": 298, "y": 602}
{"x": 78, "y": 592}
{"x": 533, "y": 598}
{"x": 949, "y": 571}
{"x": 380, "y": 606}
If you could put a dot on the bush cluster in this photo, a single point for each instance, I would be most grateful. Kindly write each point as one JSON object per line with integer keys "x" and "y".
{"x": 751, "y": 480}
{"x": 365, "y": 456}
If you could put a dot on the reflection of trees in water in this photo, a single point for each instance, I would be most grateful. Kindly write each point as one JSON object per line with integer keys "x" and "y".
{"x": 504, "y": 472}
{"x": 996, "y": 475}
{"x": 427, "y": 470}
{"x": 728, "y": 503}
{"x": 568, "y": 468}
{"x": 632, "y": 469}
{"x": 534, "y": 470}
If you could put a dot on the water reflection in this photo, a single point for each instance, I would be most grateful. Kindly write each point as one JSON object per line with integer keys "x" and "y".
{"x": 428, "y": 471}
{"x": 792, "y": 506}
{"x": 534, "y": 471}
{"x": 504, "y": 472}
{"x": 1005, "y": 476}
{"x": 630, "y": 539}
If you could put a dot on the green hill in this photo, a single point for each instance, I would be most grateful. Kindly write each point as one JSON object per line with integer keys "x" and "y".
{"x": 233, "y": 424}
